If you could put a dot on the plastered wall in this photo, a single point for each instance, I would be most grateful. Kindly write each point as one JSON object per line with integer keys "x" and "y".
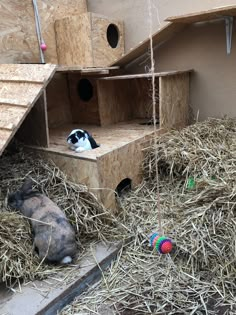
{"x": 201, "y": 47}
{"x": 135, "y": 15}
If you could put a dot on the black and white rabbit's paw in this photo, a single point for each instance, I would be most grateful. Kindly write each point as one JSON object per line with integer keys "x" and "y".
{"x": 80, "y": 149}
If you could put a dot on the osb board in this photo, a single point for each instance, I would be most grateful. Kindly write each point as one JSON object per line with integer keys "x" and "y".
{"x": 124, "y": 162}
{"x": 82, "y": 40}
{"x": 174, "y": 101}
{"x": 145, "y": 75}
{"x": 109, "y": 137}
{"x": 10, "y": 116}
{"x": 116, "y": 100}
{"x": 103, "y": 53}
{"x": 58, "y": 101}
{"x": 204, "y": 15}
{"x": 34, "y": 129}
{"x": 162, "y": 35}
{"x": 77, "y": 170}
{"x": 49, "y": 296}
{"x": 122, "y": 100}
{"x": 83, "y": 112}
{"x": 143, "y": 105}
{"x": 14, "y": 94}
{"x": 18, "y": 39}
{"x": 73, "y": 38}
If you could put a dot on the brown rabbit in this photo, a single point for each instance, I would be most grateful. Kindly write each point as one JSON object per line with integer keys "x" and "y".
{"x": 54, "y": 237}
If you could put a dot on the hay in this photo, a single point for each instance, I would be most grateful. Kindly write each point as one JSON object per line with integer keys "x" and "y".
{"x": 90, "y": 219}
{"x": 199, "y": 277}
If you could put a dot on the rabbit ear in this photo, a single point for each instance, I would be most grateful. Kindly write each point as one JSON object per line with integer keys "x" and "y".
{"x": 27, "y": 186}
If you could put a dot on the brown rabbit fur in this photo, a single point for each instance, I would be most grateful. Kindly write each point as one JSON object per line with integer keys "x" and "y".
{"x": 54, "y": 237}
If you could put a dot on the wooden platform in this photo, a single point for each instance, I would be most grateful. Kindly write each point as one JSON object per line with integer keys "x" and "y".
{"x": 119, "y": 157}
{"x": 50, "y": 296}
{"x": 110, "y": 138}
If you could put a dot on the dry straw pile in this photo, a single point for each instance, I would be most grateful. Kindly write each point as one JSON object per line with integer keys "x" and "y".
{"x": 89, "y": 218}
{"x": 197, "y": 169}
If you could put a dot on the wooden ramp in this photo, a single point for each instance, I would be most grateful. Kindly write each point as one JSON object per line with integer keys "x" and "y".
{"x": 20, "y": 87}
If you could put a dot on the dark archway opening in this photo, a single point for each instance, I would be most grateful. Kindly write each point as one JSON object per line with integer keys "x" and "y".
{"x": 113, "y": 35}
{"x": 123, "y": 187}
{"x": 85, "y": 90}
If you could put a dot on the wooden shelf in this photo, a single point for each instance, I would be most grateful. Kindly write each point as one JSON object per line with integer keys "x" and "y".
{"x": 86, "y": 71}
{"x": 212, "y": 14}
{"x": 145, "y": 75}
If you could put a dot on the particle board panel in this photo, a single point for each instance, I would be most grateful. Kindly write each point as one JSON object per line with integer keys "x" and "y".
{"x": 34, "y": 129}
{"x": 83, "y": 112}
{"x": 113, "y": 167}
{"x": 4, "y": 138}
{"x": 207, "y": 15}
{"x": 16, "y": 94}
{"x": 145, "y": 75}
{"x": 27, "y": 72}
{"x": 103, "y": 53}
{"x": 174, "y": 101}
{"x": 122, "y": 100}
{"x": 116, "y": 100}
{"x": 10, "y": 116}
{"x": 72, "y": 49}
{"x": 18, "y": 39}
{"x": 77, "y": 170}
{"x": 109, "y": 137}
{"x": 82, "y": 40}
{"x": 58, "y": 101}
{"x": 162, "y": 35}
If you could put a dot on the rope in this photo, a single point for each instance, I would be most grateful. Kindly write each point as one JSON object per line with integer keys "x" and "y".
{"x": 38, "y": 29}
{"x": 152, "y": 70}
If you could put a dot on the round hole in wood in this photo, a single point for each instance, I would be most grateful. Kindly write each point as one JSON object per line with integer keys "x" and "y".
{"x": 123, "y": 187}
{"x": 113, "y": 35}
{"x": 85, "y": 90}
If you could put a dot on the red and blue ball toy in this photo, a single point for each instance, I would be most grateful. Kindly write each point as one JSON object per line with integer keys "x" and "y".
{"x": 161, "y": 243}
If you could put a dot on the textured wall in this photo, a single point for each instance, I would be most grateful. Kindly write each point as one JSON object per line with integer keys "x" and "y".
{"x": 135, "y": 13}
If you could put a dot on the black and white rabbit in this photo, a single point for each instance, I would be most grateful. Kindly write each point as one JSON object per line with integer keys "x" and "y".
{"x": 80, "y": 140}
{"x": 54, "y": 237}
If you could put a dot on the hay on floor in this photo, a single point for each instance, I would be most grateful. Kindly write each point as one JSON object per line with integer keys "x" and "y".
{"x": 90, "y": 219}
{"x": 198, "y": 202}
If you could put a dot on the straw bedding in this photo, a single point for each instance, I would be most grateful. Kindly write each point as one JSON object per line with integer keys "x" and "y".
{"x": 197, "y": 189}
{"x": 90, "y": 219}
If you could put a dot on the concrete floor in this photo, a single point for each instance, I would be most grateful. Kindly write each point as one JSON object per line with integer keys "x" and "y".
{"x": 51, "y": 295}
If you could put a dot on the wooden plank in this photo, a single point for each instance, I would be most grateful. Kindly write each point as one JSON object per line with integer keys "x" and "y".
{"x": 74, "y": 49}
{"x": 58, "y": 101}
{"x": 83, "y": 112}
{"x": 123, "y": 163}
{"x": 34, "y": 130}
{"x": 207, "y": 15}
{"x": 116, "y": 100}
{"x": 85, "y": 70}
{"x": 10, "y": 116}
{"x": 134, "y": 102}
{"x": 162, "y": 35}
{"x": 36, "y": 73}
{"x": 174, "y": 101}
{"x": 23, "y": 94}
{"x": 13, "y": 102}
{"x": 18, "y": 40}
{"x": 145, "y": 75}
{"x": 59, "y": 293}
{"x": 4, "y": 137}
{"x": 103, "y": 53}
